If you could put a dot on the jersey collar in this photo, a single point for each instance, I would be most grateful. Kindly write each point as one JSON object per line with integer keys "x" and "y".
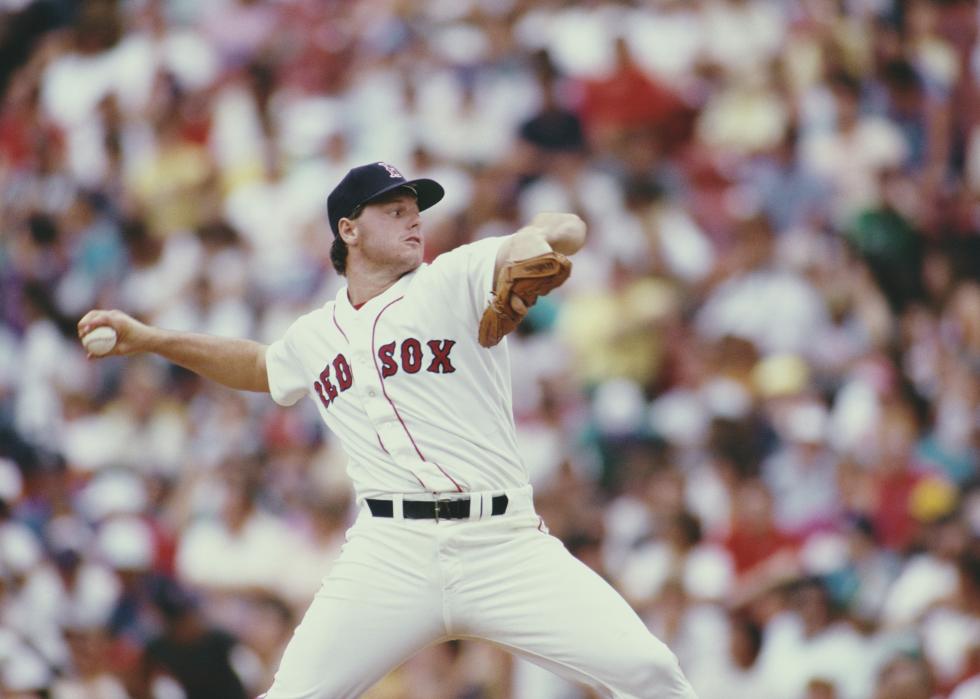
{"x": 346, "y": 313}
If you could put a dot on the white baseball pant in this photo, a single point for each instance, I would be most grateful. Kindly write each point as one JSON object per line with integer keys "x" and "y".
{"x": 400, "y": 585}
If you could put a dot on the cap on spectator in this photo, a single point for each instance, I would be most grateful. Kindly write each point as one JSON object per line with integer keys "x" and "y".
{"x": 126, "y": 543}
{"x": 780, "y": 375}
{"x": 366, "y": 182}
{"x": 932, "y": 498}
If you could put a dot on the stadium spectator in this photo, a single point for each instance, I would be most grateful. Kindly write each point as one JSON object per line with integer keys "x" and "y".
{"x": 754, "y": 408}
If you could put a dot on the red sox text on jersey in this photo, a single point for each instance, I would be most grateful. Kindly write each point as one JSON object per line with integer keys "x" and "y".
{"x": 412, "y": 359}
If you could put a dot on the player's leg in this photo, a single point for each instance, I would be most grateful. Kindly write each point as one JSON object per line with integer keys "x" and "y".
{"x": 378, "y": 605}
{"x": 527, "y": 593}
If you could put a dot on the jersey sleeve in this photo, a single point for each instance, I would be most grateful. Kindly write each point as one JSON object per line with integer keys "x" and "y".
{"x": 287, "y": 378}
{"x": 467, "y": 275}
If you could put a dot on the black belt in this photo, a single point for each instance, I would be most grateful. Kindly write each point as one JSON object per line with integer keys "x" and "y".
{"x": 434, "y": 509}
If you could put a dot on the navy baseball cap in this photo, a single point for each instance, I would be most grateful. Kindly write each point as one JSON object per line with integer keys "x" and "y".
{"x": 366, "y": 182}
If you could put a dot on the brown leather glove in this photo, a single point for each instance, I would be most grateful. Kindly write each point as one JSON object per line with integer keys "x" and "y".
{"x": 519, "y": 285}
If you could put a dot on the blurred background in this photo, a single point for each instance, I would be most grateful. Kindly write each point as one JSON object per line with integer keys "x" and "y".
{"x": 754, "y": 408}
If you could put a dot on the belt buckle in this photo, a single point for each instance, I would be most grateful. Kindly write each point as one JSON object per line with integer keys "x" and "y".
{"x": 439, "y": 504}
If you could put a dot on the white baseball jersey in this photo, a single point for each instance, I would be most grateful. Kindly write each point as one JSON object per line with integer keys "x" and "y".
{"x": 418, "y": 404}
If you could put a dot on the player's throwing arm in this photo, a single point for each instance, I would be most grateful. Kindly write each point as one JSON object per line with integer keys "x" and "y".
{"x": 238, "y": 364}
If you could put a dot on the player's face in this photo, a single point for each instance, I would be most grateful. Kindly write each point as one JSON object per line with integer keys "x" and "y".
{"x": 390, "y": 235}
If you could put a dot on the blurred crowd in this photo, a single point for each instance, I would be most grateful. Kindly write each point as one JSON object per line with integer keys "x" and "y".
{"x": 754, "y": 408}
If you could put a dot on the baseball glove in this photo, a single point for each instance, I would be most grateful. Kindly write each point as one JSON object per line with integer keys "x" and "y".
{"x": 526, "y": 280}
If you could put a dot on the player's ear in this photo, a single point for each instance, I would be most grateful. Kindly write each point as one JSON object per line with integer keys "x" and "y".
{"x": 348, "y": 230}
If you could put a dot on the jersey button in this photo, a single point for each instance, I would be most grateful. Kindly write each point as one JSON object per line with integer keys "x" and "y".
{"x": 372, "y": 392}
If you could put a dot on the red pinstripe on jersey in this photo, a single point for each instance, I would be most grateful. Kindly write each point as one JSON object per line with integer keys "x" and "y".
{"x": 374, "y": 330}
{"x": 338, "y": 324}
{"x": 385, "y": 450}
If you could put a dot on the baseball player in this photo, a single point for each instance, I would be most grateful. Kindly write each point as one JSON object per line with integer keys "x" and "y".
{"x": 407, "y": 368}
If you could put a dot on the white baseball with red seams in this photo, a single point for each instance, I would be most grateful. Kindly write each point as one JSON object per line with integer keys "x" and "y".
{"x": 100, "y": 340}
{"x": 424, "y": 412}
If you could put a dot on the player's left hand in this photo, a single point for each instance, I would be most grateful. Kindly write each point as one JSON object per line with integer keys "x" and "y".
{"x": 519, "y": 284}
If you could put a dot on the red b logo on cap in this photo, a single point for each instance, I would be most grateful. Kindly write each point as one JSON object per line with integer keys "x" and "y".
{"x": 392, "y": 171}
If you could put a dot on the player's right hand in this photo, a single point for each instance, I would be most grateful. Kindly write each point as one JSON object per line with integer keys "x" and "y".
{"x": 131, "y": 335}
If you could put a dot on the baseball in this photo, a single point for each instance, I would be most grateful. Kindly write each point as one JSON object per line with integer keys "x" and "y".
{"x": 100, "y": 341}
